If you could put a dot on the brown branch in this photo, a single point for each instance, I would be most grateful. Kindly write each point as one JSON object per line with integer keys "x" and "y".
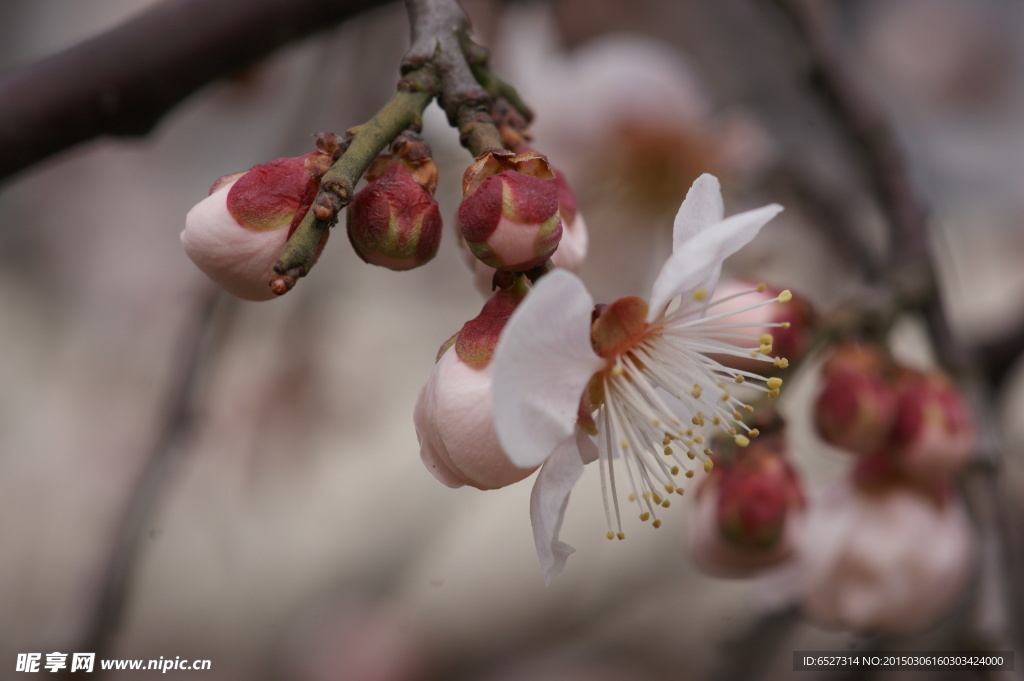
{"x": 859, "y": 118}
{"x": 124, "y": 81}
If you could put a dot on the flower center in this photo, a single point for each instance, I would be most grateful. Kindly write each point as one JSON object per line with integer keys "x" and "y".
{"x": 664, "y": 385}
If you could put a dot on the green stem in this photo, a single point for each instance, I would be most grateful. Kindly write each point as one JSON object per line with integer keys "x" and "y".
{"x": 337, "y": 186}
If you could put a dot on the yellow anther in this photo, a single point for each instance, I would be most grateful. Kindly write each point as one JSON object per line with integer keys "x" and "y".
{"x": 701, "y": 294}
{"x": 785, "y": 296}
{"x": 766, "y": 339}
{"x": 691, "y": 455}
{"x": 656, "y": 523}
{"x": 666, "y": 503}
{"x": 781, "y": 362}
{"x": 739, "y": 379}
{"x": 736, "y": 415}
{"x": 708, "y": 452}
{"x": 721, "y": 386}
{"x": 697, "y": 390}
{"x": 646, "y": 496}
{"x": 731, "y": 431}
{"x": 610, "y": 536}
{"x": 708, "y": 465}
{"x": 747, "y": 408}
{"x": 689, "y": 474}
{"x": 668, "y": 451}
{"x": 670, "y": 488}
{"x": 774, "y": 382}
{"x": 620, "y": 536}
{"x": 785, "y": 325}
{"x": 618, "y": 371}
{"x": 680, "y": 491}
{"x": 624, "y": 444}
{"x": 765, "y": 349}
{"x": 762, "y": 287}
{"x": 772, "y": 394}
{"x": 717, "y": 421}
{"x": 632, "y": 497}
{"x": 666, "y": 440}
{"x": 698, "y": 420}
{"x": 675, "y": 470}
{"x": 689, "y": 432}
{"x": 645, "y": 516}
{"x": 741, "y": 440}
{"x": 726, "y": 396}
{"x": 754, "y": 432}
{"x": 655, "y": 422}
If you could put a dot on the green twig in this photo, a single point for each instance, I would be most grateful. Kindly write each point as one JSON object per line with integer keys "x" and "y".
{"x": 337, "y": 186}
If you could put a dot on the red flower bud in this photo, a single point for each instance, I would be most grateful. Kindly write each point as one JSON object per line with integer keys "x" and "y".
{"x": 934, "y": 432}
{"x": 394, "y": 221}
{"x": 856, "y": 406}
{"x": 509, "y": 214}
{"x": 236, "y": 234}
{"x": 748, "y": 511}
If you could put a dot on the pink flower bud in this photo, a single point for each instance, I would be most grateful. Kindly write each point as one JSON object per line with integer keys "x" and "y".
{"x": 856, "y": 406}
{"x": 453, "y": 416}
{"x": 571, "y": 251}
{"x": 934, "y": 431}
{"x": 509, "y": 215}
{"x": 236, "y": 234}
{"x": 394, "y": 221}
{"x": 748, "y": 512}
{"x": 889, "y": 559}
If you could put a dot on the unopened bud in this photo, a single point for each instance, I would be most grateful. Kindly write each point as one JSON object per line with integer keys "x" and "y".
{"x": 855, "y": 409}
{"x": 394, "y": 221}
{"x": 509, "y": 214}
{"x": 236, "y": 234}
{"x": 934, "y": 432}
{"x": 748, "y": 511}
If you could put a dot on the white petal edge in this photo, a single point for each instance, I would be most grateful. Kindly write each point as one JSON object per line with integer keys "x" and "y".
{"x": 550, "y": 498}
{"x": 701, "y": 209}
{"x": 697, "y": 263}
{"x": 541, "y": 366}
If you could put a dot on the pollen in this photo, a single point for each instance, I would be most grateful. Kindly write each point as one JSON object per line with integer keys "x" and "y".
{"x": 754, "y": 432}
{"x": 781, "y": 362}
{"x": 741, "y": 440}
{"x": 708, "y": 465}
{"x": 785, "y": 296}
{"x": 774, "y": 382}
{"x": 766, "y": 339}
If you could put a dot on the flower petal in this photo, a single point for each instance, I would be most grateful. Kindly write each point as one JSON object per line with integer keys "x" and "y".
{"x": 541, "y": 367}
{"x": 550, "y": 498}
{"x": 697, "y": 262}
{"x": 702, "y": 208}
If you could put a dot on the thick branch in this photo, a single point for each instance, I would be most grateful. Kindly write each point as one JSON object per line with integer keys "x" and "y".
{"x": 440, "y": 29}
{"x": 124, "y": 81}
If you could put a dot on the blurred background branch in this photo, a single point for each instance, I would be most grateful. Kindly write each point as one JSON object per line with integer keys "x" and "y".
{"x": 124, "y": 81}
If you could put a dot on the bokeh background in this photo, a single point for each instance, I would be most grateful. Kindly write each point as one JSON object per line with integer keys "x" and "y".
{"x": 290, "y": 531}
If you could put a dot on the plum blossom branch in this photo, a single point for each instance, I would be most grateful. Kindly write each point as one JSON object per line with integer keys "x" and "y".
{"x": 90, "y": 90}
{"x": 436, "y": 65}
{"x": 914, "y": 285}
